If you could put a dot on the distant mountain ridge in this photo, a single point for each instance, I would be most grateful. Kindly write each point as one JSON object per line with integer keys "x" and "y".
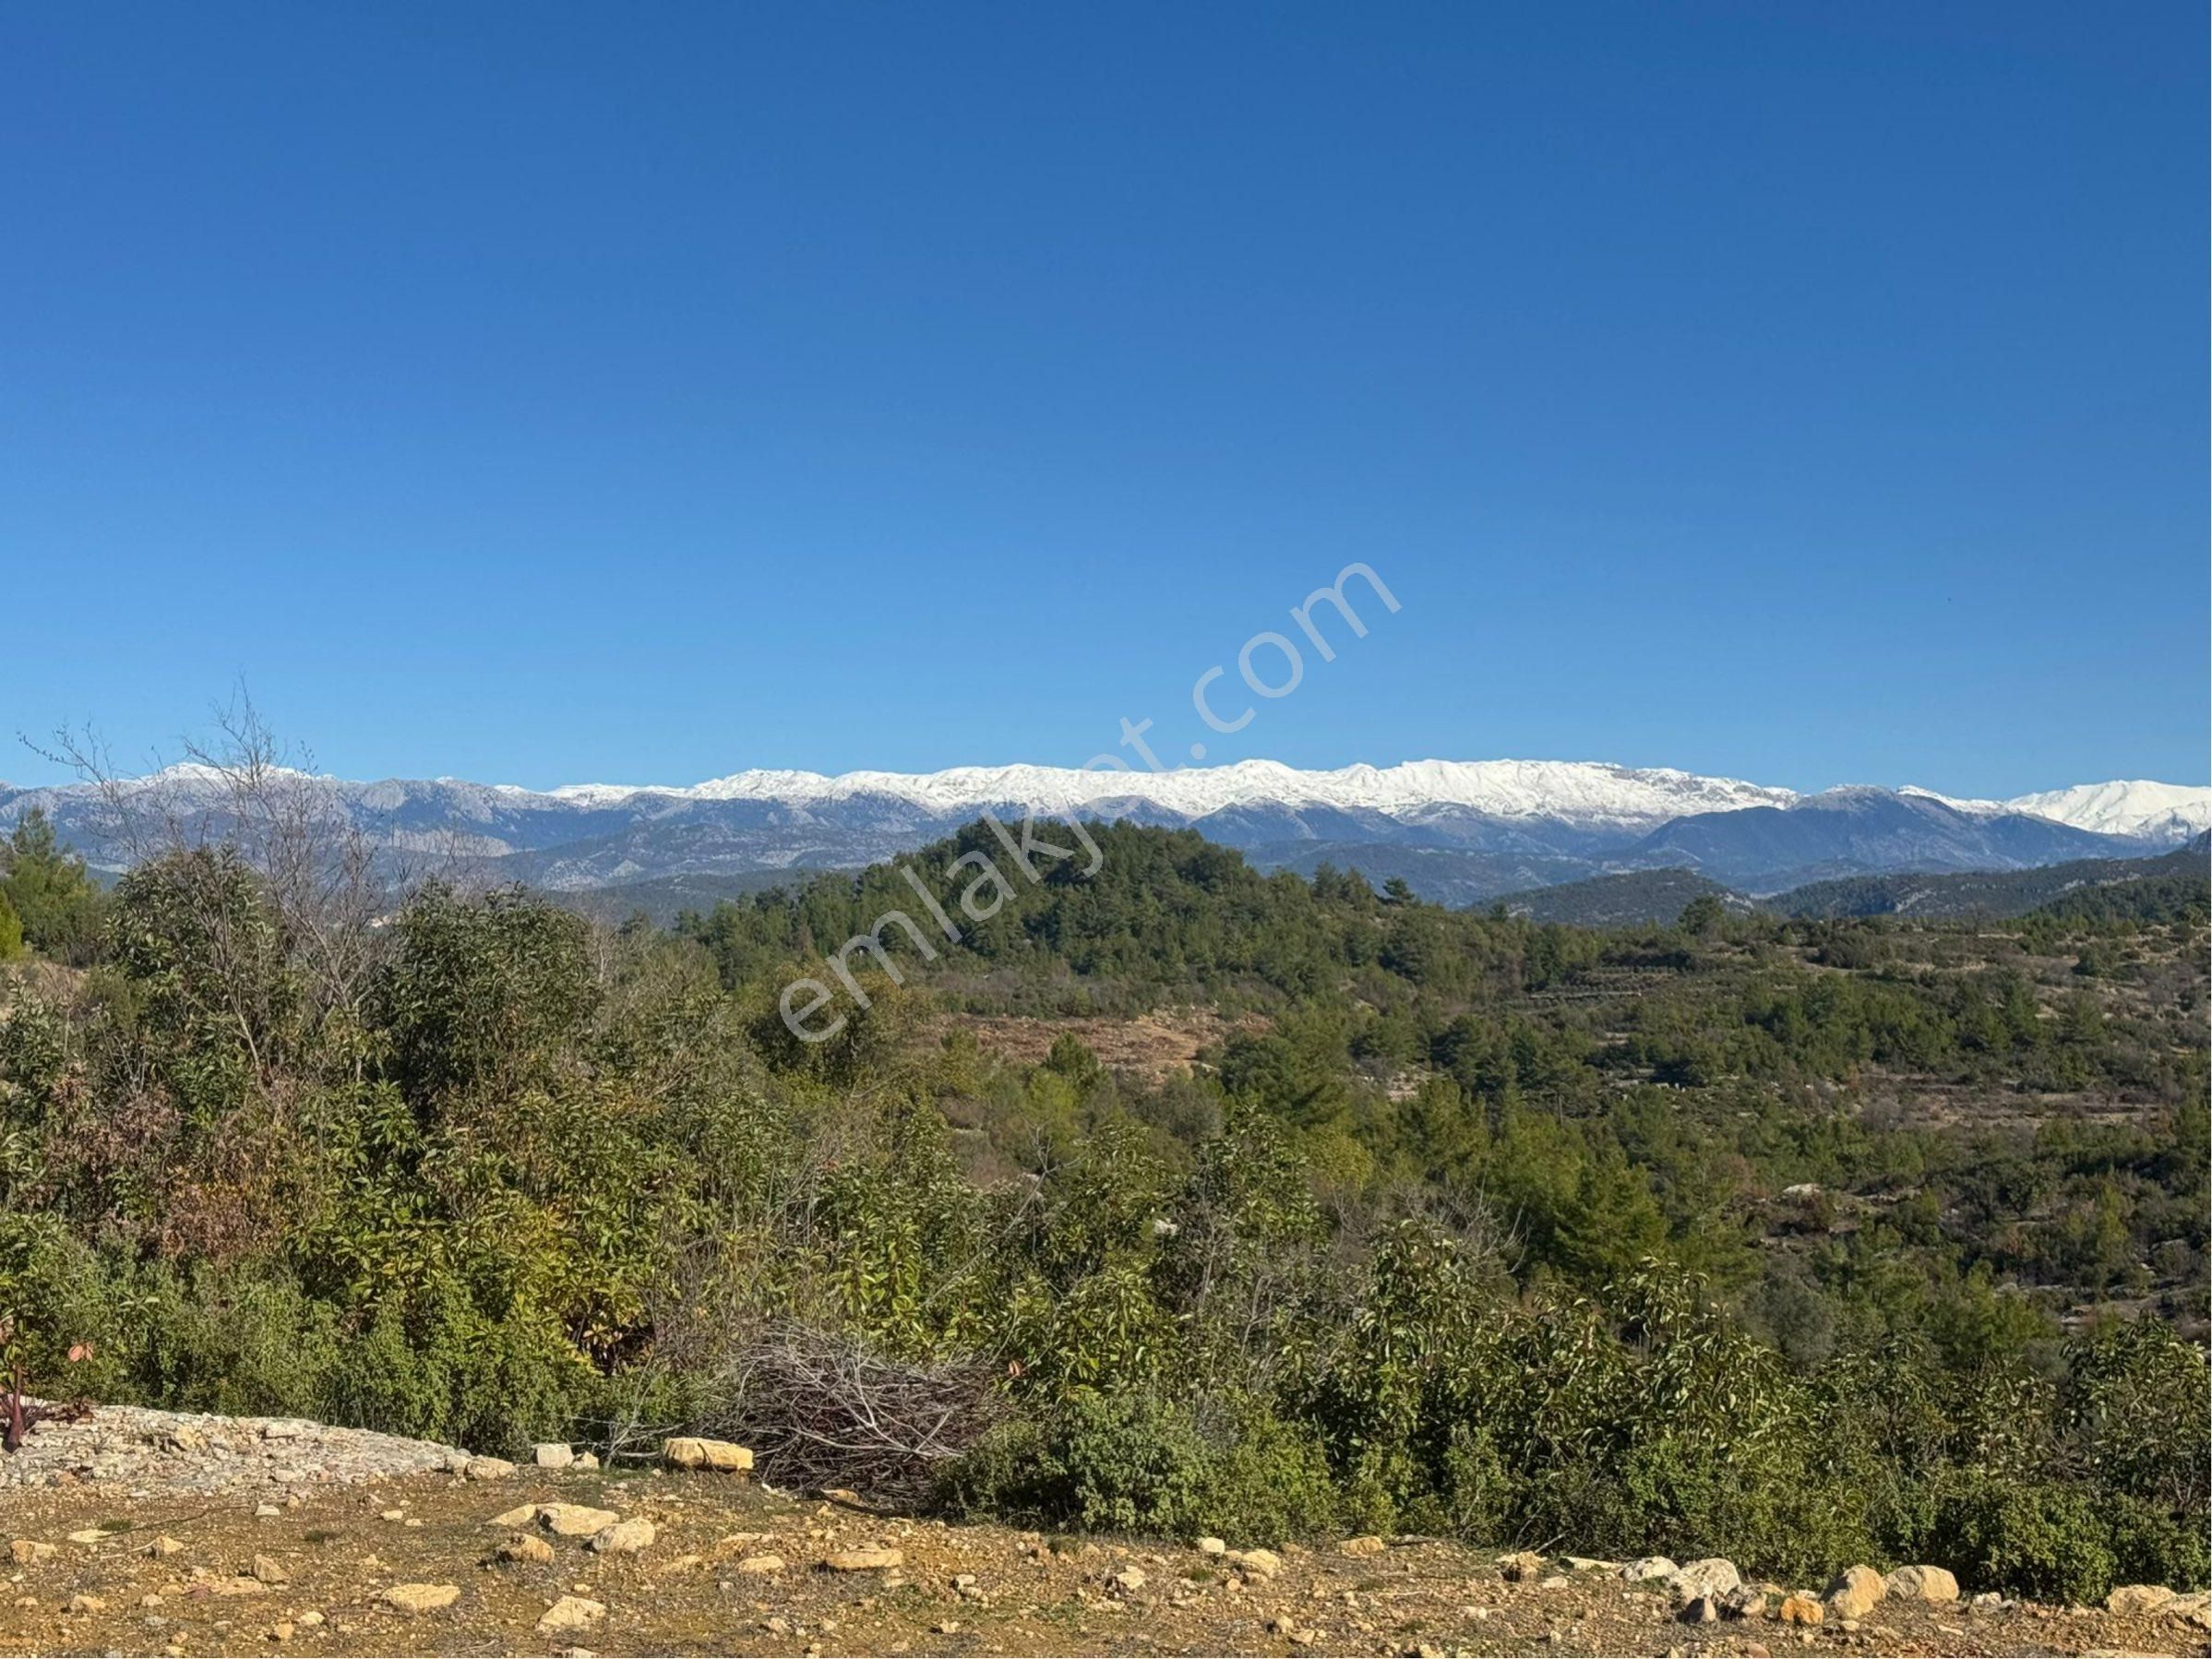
{"x": 1846, "y": 831}
{"x": 2163, "y": 883}
{"x": 1463, "y": 831}
{"x": 1571, "y": 790}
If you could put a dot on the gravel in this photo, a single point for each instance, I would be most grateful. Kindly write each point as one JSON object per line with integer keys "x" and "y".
{"x": 158, "y": 1455}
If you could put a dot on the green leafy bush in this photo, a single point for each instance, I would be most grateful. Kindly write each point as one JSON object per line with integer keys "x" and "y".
{"x": 2046, "y": 1541}
{"x": 1138, "y": 1463}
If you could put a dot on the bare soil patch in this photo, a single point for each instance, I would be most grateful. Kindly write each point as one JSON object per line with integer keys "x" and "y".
{"x": 733, "y": 1569}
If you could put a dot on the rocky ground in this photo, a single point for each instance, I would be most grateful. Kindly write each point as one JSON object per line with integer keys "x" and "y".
{"x": 150, "y": 1532}
{"x": 145, "y": 1452}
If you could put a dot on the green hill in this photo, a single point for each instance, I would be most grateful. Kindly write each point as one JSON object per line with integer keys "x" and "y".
{"x": 1636, "y": 898}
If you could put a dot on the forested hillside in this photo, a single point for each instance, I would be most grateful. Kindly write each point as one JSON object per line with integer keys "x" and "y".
{"x": 1206, "y": 1200}
{"x": 2166, "y": 886}
{"x": 2086, "y": 888}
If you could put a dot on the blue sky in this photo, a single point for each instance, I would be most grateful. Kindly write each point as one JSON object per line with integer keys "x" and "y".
{"x": 544, "y": 393}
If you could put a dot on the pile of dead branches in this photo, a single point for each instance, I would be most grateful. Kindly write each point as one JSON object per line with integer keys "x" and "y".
{"x": 822, "y": 1412}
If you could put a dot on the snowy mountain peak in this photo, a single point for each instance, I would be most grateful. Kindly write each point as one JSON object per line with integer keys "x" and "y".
{"x": 1574, "y": 791}
{"x": 2136, "y": 808}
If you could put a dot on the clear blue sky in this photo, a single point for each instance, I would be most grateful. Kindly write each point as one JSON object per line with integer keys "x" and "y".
{"x": 544, "y": 393}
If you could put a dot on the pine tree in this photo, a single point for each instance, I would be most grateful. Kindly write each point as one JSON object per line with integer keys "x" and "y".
{"x": 49, "y": 891}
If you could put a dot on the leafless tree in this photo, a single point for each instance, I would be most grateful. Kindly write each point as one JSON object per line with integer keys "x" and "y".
{"x": 245, "y": 796}
{"x": 323, "y": 874}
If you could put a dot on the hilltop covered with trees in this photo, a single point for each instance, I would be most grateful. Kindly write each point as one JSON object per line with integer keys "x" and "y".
{"x": 1799, "y": 1241}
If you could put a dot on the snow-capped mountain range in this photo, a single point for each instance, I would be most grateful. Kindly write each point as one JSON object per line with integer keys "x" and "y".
{"x": 1571, "y": 790}
{"x": 2146, "y": 811}
{"x": 1462, "y": 829}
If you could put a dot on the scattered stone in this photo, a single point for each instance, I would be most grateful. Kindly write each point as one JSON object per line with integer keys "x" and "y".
{"x": 1710, "y": 1576}
{"x": 2138, "y": 1598}
{"x": 1855, "y": 1593}
{"x": 864, "y": 1560}
{"x": 552, "y": 1454}
{"x": 1800, "y": 1610}
{"x": 623, "y": 1539}
{"x": 421, "y": 1598}
{"x": 587, "y": 1460}
{"x": 1743, "y": 1601}
{"x": 266, "y": 1511}
{"x": 1921, "y": 1585}
{"x": 574, "y": 1520}
{"x": 1578, "y": 1618}
{"x": 571, "y": 1613}
{"x": 487, "y": 1468}
{"x": 689, "y": 1452}
{"x": 189, "y": 1454}
{"x": 391, "y": 1515}
{"x": 2197, "y": 1608}
{"x": 1258, "y": 1563}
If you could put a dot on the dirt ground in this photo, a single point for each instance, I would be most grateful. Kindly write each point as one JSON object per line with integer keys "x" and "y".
{"x": 332, "y": 1554}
